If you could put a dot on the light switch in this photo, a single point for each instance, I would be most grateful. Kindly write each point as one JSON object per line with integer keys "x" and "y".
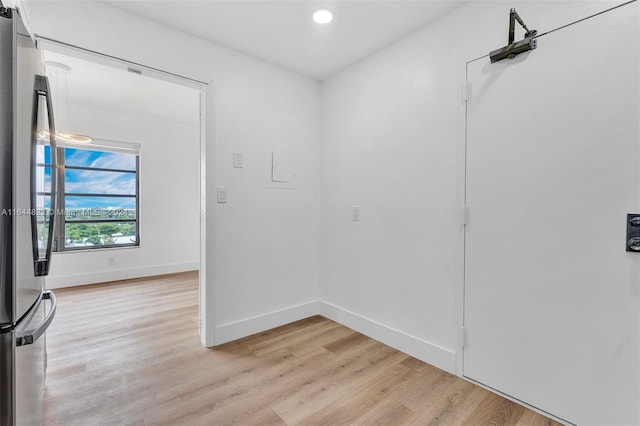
{"x": 237, "y": 160}
{"x": 355, "y": 213}
{"x": 222, "y": 194}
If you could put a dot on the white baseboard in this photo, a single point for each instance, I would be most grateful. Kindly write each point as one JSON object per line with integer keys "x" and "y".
{"x": 61, "y": 281}
{"x": 243, "y": 328}
{"x": 430, "y": 353}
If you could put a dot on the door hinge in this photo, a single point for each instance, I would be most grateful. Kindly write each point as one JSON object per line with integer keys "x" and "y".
{"x": 467, "y": 93}
{"x": 463, "y": 337}
{"x": 464, "y": 215}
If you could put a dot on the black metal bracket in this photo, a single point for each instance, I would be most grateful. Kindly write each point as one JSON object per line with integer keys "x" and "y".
{"x": 513, "y": 17}
{"x": 633, "y": 233}
{"x": 513, "y": 49}
{"x": 5, "y": 12}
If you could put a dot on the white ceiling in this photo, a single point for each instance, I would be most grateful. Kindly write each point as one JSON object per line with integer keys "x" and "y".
{"x": 282, "y": 32}
{"x": 278, "y": 31}
{"x": 113, "y": 88}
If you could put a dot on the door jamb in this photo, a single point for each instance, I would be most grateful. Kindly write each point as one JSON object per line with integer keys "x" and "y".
{"x": 461, "y": 184}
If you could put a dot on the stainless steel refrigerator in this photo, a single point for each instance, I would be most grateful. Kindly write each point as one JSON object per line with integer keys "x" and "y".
{"x": 27, "y": 214}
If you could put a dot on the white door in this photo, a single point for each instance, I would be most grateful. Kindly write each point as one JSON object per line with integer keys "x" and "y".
{"x": 553, "y": 167}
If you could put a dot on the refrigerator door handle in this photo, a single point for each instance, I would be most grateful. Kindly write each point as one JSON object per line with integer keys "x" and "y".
{"x": 27, "y": 337}
{"x": 41, "y": 88}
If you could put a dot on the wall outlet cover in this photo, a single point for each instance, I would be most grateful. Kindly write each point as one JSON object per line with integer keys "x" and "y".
{"x": 237, "y": 160}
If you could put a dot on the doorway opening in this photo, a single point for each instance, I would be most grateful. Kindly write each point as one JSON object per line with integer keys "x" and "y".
{"x": 134, "y": 189}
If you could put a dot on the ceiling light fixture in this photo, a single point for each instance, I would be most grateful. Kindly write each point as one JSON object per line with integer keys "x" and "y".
{"x": 322, "y": 16}
{"x": 58, "y": 73}
{"x": 69, "y": 137}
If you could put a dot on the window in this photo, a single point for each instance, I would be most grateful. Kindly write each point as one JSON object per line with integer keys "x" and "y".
{"x": 98, "y": 192}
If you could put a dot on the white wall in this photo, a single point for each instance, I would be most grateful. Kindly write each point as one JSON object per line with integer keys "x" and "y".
{"x": 262, "y": 247}
{"x": 391, "y": 129}
{"x": 391, "y": 133}
{"x": 169, "y": 200}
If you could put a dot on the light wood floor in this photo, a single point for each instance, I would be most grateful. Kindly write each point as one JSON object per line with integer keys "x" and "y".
{"x": 129, "y": 354}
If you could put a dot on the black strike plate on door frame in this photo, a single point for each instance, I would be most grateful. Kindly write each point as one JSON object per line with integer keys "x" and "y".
{"x": 633, "y": 233}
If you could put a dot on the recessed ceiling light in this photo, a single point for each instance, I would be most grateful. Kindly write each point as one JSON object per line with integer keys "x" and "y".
{"x": 322, "y": 16}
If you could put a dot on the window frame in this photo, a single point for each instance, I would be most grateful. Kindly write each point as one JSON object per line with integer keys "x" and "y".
{"x": 61, "y": 222}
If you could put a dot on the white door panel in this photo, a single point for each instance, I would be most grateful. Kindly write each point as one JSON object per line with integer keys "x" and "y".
{"x": 553, "y": 168}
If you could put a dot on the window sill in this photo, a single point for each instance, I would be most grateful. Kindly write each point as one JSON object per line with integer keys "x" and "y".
{"x": 92, "y": 250}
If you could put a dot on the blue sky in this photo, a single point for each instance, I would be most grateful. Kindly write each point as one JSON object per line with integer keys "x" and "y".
{"x": 93, "y": 182}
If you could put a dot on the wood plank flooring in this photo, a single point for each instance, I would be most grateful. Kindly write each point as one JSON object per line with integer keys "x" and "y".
{"x": 128, "y": 353}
